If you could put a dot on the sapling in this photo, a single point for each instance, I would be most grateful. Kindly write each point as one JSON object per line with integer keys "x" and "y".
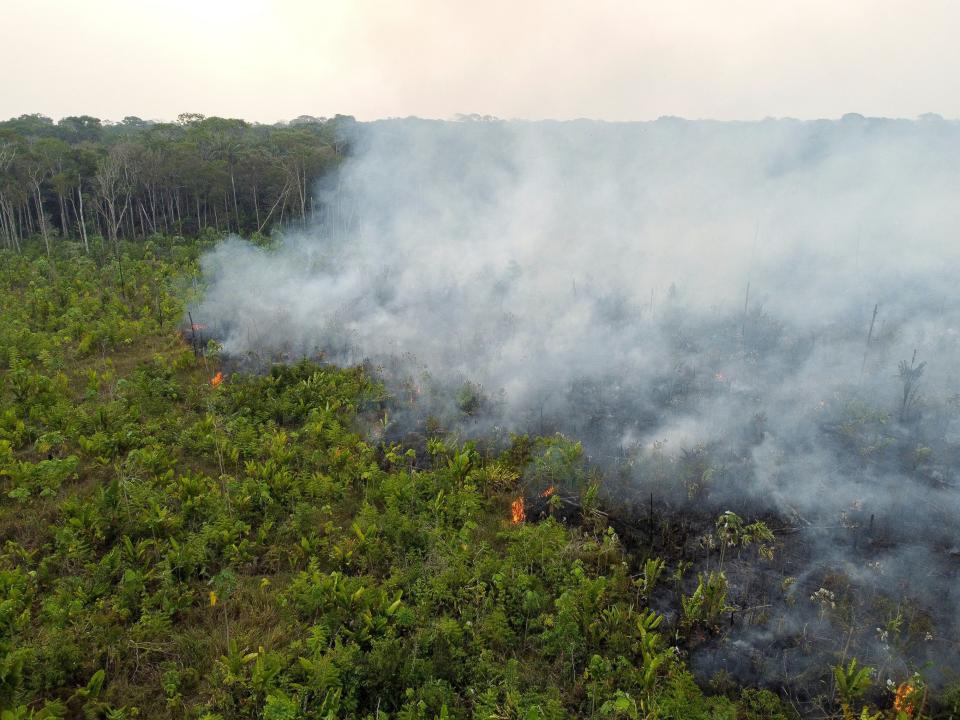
{"x": 852, "y": 681}
{"x": 708, "y": 601}
{"x": 652, "y": 570}
{"x": 732, "y": 531}
{"x": 910, "y": 377}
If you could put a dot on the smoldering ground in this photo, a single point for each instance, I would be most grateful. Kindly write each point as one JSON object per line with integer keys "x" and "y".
{"x": 693, "y": 300}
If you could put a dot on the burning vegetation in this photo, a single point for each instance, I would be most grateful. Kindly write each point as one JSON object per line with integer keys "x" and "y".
{"x": 783, "y": 377}
{"x": 518, "y": 511}
{"x": 717, "y": 508}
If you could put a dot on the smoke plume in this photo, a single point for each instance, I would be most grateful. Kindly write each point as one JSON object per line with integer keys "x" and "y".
{"x": 695, "y": 302}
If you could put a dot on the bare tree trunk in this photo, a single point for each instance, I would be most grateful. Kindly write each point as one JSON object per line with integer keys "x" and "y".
{"x": 152, "y": 201}
{"x": 168, "y": 216}
{"x": 82, "y": 221}
{"x": 113, "y": 182}
{"x": 9, "y": 222}
{"x": 15, "y": 228}
{"x": 42, "y": 220}
{"x": 236, "y": 209}
{"x": 4, "y": 224}
{"x": 63, "y": 216}
{"x": 26, "y": 218}
{"x": 8, "y": 153}
{"x": 131, "y": 220}
{"x": 280, "y": 197}
{"x": 3, "y": 229}
{"x": 143, "y": 220}
{"x": 300, "y": 174}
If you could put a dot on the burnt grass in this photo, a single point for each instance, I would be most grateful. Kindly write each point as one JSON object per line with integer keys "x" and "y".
{"x": 772, "y": 634}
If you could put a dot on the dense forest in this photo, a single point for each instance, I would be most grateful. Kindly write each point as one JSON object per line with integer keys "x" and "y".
{"x": 187, "y": 533}
{"x": 79, "y": 176}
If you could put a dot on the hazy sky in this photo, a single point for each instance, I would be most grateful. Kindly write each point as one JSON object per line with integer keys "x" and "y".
{"x": 616, "y": 60}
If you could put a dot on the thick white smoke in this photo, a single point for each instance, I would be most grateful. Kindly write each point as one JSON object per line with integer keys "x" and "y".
{"x": 516, "y": 250}
{"x": 710, "y": 285}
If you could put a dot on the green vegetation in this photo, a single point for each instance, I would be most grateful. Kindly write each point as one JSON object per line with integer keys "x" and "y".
{"x": 174, "y": 548}
{"x": 81, "y": 178}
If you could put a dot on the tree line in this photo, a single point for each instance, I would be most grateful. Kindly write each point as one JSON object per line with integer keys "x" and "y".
{"x": 82, "y": 177}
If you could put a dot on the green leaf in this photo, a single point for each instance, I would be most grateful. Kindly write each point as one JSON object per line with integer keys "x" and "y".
{"x": 96, "y": 683}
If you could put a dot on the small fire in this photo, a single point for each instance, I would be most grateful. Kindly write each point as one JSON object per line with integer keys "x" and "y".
{"x": 903, "y": 702}
{"x": 518, "y": 512}
{"x": 216, "y": 379}
{"x": 548, "y": 492}
{"x": 197, "y": 326}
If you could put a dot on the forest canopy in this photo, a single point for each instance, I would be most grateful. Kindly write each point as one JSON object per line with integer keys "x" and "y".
{"x": 81, "y": 176}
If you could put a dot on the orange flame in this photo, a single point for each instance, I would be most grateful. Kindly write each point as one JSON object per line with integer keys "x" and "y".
{"x": 216, "y": 379}
{"x": 902, "y": 702}
{"x": 518, "y": 511}
{"x": 548, "y": 492}
{"x": 197, "y": 326}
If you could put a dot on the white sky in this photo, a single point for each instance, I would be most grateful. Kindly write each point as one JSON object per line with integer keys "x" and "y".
{"x": 610, "y": 59}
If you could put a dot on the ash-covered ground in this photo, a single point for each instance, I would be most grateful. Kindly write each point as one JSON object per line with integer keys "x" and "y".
{"x": 755, "y": 317}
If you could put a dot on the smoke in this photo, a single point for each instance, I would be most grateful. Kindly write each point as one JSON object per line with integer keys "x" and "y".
{"x": 693, "y": 300}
